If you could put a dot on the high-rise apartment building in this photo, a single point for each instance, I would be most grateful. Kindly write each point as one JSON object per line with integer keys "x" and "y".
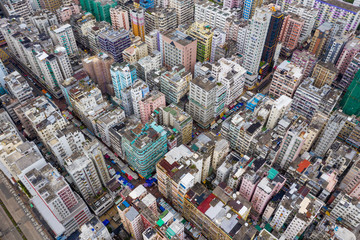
{"x": 309, "y": 99}
{"x": 135, "y": 52}
{"x": 202, "y": 97}
{"x": 51, "y": 5}
{"x": 250, "y": 8}
{"x": 144, "y": 145}
{"x": 66, "y": 11}
{"x": 348, "y": 210}
{"x": 98, "y": 69}
{"x": 152, "y": 40}
{"x": 278, "y": 110}
{"x": 350, "y": 49}
{"x": 106, "y": 121}
{"x": 114, "y": 42}
{"x": 213, "y": 14}
{"x": 62, "y": 209}
{"x": 178, "y": 48}
{"x": 66, "y": 142}
{"x": 307, "y": 13}
{"x": 82, "y": 171}
{"x": 286, "y": 79}
{"x": 202, "y": 212}
{"x": 137, "y": 17}
{"x": 123, "y": 75}
{"x": 93, "y": 151}
{"x": 324, "y": 74}
{"x": 174, "y": 117}
{"x": 160, "y": 19}
{"x": 255, "y": 41}
{"x": 330, "y": 132}
{"x": 175, "y": 83}
{"x": 152, "y": 101}
{"x": 204, "y": 34}
{"x": 232, "y": 76}
{"x": 64, "y": 36}
{"x": 147, "y": 64}
{"x": 266, "y": 189}
{"x": 20, "y": 8}
{"x": 17, "y": 86}
{"x": 290, "y": 32}
{"x": 320, "y": 38}
{"x": 350, "y": 73}
{"x": 330, "y": 12}
{"x": 292, "y": 143}
{"x": 336, "y": 46}
{"x": 119, "y": 18}
{"x": 305, "y": 60}
{"x": 218, "y": 39}
{"x": 272, "y": 38}
{"x": 175, "y": 175}
{"x": 350, "y": 102}
{"x": 184, "y": 10}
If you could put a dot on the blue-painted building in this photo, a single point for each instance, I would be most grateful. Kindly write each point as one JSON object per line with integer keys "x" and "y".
{"x": 123, "y": 75}
{"x": 143, "y": 146}
{"x": 253, "y": 102}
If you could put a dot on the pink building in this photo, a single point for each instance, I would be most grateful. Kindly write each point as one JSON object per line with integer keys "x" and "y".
{"x": 231, "y": 3}
{"x": 266, "y": 189}
{"x": 154, "y": 100}
{"x": 179, "y": 49}
{"x": 64, "y": 13}
{"x": 119, "y": 18}
{"x": 290, "y": 31}
{"x": 248, "y": 185}
{"x": 348, "y": 53}
{"x": 305, "y": 60}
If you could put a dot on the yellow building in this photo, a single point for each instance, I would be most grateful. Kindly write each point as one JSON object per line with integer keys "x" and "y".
{"x": 204, "y": 34}
{"x": 137, "y": 16}
{"x": 135, "y": 52}
{"x": 324, "y": 73}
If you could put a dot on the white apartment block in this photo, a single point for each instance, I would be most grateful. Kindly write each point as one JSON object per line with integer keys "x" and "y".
{"x": 213, "y": 14}
{"x": 138, "y": 91}
{"x": 66, "y": 142}
{"x": 278, "y": 109}
{"x": 218, "y": 39}
{"x": 202, "y": 99}
{"x": 292, "y": 143}
{"x": 94, "y": 229}
{"x": 45, "y": 118}
{"x": 83, "y": 172}
{"x": 110, "y": 118}
{"x": 347, "y": 209}
{"x": 184, "y": 10}
{"x": 88, "y": 103}
{"x": 18, "y": 87}
{"x": 232, "y": 75}
{"x": 255, "y": 40}
{"x": 43, "y": 19}
{"x": 94, "y": 151}
{"x": 64, "y": 36}
{"x": 119, "y": 18}
{"x": 308, "y": 14}
{"x": 242, "y": 38}
{"x": 151, "y": 40}
{"x": 62, "y": 209}
{"x": 147, "y": 64}
{"x": 330, "y": 132}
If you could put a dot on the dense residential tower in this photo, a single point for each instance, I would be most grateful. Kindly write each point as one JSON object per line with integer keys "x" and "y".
{"x": 203, "y": 33}
{"x": 144, "y": 146}
{"x": 178, "y": 48}
{"x": 272, "y": 37}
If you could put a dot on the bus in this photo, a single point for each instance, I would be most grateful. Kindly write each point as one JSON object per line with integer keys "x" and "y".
{"x": 48, "y": 95}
